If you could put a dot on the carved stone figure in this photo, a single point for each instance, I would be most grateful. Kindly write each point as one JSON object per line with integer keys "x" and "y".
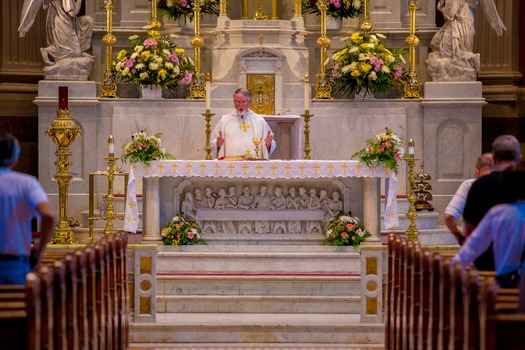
{"x": 292, "y": 201}
{"x": 262, "y": 200}
{"x": 323, "y": 198}
{"x": 221, "y": 202}
{"x": 452, "y": 58}
{"x": 188, "y": 207}
{"x": 198, "y": 200}
{"x": 232, "y": 197}
{"x": 313, "y": 201}
{"x": 245, "y": 201}
{"x": 278, "y": 200}
{"x": 335, "y": 205}
{"x": 303, "y": 197}
{"x": 68, "y": 38}
{"x": 209, "y": 198}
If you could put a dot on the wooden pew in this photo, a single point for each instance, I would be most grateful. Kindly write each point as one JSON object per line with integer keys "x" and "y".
{"x": 426, "y": 286}
{"x": 13, "y": 316}
{"x": 389, "y": 290}
{"x": 407, "y": 271}
{"x": 47, "y": 299}
{"x": 125, "y": 299}
{"x": 91, "y": 298}
{"x": 59, "y": 306}
{"x": 417, "y": 296}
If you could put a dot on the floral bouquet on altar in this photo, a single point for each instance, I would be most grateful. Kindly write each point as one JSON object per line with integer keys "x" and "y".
{"x": 336, "y": 8}
{"x": 144, "y": 148}
{"x": 154, "y": 60}
{"x": 344, "y": 230}
{"x": 366, "y": 64}
{"x": 181, "y": 231}
{"x": 385, "y": 148}
{"x": 175, "y": 9}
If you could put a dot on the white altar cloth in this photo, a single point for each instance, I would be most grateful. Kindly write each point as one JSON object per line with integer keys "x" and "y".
{"x": 273, "y": 169}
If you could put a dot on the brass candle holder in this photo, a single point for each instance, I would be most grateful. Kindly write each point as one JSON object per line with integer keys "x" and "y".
{"x": 110, "y": 210}
{"x": 197, "y": 88}
{"x": 412, "y": 88}
{"x": 109, "y": 86}
{"x": 367, "y": 25}
{"x": 63, "y": 131}
{"x": 207, "y": 117}
{"x": 307, "y": 148}
{"x": 323, "y": 89}
{"x": 260, "y": 14}
{"x": 411, "y": 231}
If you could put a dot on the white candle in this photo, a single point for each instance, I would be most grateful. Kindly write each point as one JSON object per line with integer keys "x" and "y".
{"x": 306, "y": 93}
{"x": 208, "y": 94}
{"x": 111, "y": 143}
{"x": 410, "y": 147}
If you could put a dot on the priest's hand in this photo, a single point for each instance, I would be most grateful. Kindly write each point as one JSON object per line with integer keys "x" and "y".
{"x": 267, "y": 141}
{"x": 220, "y": 140}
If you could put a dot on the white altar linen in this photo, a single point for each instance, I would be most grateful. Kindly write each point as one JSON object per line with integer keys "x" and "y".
{"x": 274, "y": 169}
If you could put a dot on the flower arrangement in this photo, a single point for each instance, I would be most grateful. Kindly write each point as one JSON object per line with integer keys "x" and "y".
{"x": 344, "y": 229}
{"x": 154, "y": 60}
{"x": 175, "y": 9}
{"x": 181, "y": 231}
{"x": 365, "y": 63}
{"x": 336, "y": 8}
{"x": 144, "y": 148}
{"x": 385, "y": 148}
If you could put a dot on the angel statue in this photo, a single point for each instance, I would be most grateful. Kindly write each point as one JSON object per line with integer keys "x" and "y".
{"x": 68, "y": 38}
{"x": 452, "y": 58}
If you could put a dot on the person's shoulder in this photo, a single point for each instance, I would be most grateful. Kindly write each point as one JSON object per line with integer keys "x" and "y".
{"x": 14, "y": 175}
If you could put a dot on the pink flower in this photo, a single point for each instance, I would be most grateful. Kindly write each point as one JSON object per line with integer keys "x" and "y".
{"x": 332, "y": 236}
{"x": 184, "y": 3}
{"x": 353, "y": 238}
{"x": 336, "y": 3}
{"x": 398, "y": 72}
{"x": 187, "y": 78}
{"x": 350, "y": 226}
{"x": 191, "y": 235}
{"x": 178, "y": 234}
{"x": 150, "y": 42}
{"x": 173, "y": 58}
{"x": 130, "y": 62}
{"x": 388, "y": 144}
{"x": 344, "y": 235}
{"x": 397, "y": 156}
{"x": 381, "y": 149}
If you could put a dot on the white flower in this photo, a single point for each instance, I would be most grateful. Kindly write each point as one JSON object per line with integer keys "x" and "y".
{"x": 353, "y": 65}
{"x": 133, "y": 37}
{"x": 168, "y": 65}
{"x": 159, "y": 59}
{"x": 353, "y": 49}
{"x": 174, "y": 36}
{"x": 385, "y": 69}
{"x": 381, "y": 36}
{"x": 139, "y": 66}
{"x": 346, "y": 69}
{"x": 166, "y": 51}
{"x": 144, "y": 75}
{"x": 153, "y": 66}
{"x": 139, "y": 48}
{"x": 360, "y": 232}
{"x": 356, "y": 4}
{"x": 363, "y": 57}
{"x": 134, "y": 55}
{"x": 345, "y": 218}
{"x": 372, "y": 75}
{"x": 402, "y": 59}
{"x": 329, "y": 232}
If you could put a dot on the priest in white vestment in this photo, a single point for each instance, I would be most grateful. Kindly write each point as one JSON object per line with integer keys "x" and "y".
{"x": 237, "y": 133}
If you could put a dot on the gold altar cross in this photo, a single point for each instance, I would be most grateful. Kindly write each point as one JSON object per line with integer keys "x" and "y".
{"x": 189, "y": 167}
{"x": 259, "y": 167}
{"x": 174, "y": 166}
{"x": 273, "y": 167}
{"x": 372, "y": 166}
{"x": 203, "y": 167}
{"x": 288, "y": 168}
{"x": 392, "y": 214}
{"x": 160, "y": 166}
{"x": 302, "y": 167}
{"x": 359, "y": 166}
{"x": 248, "y": 153}
{"x": 131, "y": 205}
{"x": 344, "y": 166}
{"x": 147, "y": 168}
{"x": 217, "y": 167}
{"x": 231, "y": 167}
{"x": 244, "y": 126}
{"x": 316, "y": 167}
{"x": 261, "y": 37}
{"x": 244, "y": 167}
{"x": 331, "y": 167}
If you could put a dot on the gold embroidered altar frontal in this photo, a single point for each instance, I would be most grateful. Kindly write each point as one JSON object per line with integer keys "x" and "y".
{"x": 275, "y": 169}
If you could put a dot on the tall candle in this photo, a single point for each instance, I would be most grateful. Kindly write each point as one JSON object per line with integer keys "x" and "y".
{"x": 62, "y": 97}
{"x": 111, "y": 143}
{"x": 306, "y": 93}
{"x": 208, "y": 94}
{"x": 411, "y": 147}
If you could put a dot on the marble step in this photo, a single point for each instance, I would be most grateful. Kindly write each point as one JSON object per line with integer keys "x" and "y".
{"x": 258, "y": 259}
{"x": 257, "y": 327}
{"x": 276, "y": 293}
{"x": 440, "y": 236}
{"x": 424, "y": 220}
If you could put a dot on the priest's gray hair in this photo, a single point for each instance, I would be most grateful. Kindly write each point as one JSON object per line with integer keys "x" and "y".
{"x": 9, "y": 149}
{"x": 506, "y": 148}
{"x": 243, "y": 91}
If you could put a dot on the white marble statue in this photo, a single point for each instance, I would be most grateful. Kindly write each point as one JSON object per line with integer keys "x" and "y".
{"x": 334, "y": 206}
{"x": 278, "y": 199}
{"x": 262, "y": 200}
{"x": 198, "y": 200}
{"x": 232, "y": 197}
{"x": 292, "y": 201}
{"x": 68, "y": 38}
{"x": 452, "y": 58}
{"x": 188, "y": 207}
{"x": 245, "y": 201}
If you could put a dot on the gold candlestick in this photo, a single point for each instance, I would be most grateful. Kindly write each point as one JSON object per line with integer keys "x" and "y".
{"x": 412, "y": 88}
{"x": 256, "y": 142}
{"x": 323, "y": 89}
{"x": 307, "y": 148}
{"x": 154, "y": 23}
{"x": 367, "y": 25}
{"x": 63, "y": 131}
{"x": 110, "y": 210}
{"x": 197, "y": 88}
{"x": 207, "y": 117}
{"x": 411, "y": 231}
{"x": 109, "y": 86}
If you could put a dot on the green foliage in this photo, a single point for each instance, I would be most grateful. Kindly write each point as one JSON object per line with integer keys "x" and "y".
{"x": 181, "y": 231}
{"x": 386, "y": 148}
{"x": 143, "y": 148}
{"x": 175, "y": 9}
{"x": 336, "y": 8}
{"x": 344, "y": 230}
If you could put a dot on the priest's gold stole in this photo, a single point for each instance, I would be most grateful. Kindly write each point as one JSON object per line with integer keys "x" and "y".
{"x": 262, "y": 87}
